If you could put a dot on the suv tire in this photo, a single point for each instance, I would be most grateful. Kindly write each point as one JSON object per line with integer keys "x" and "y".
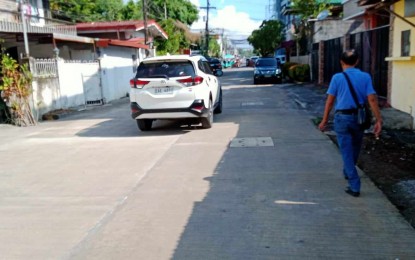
{"x": 208, "y": 121}
{"x": 144, "y": 124}
{"x": 218, "y": 108}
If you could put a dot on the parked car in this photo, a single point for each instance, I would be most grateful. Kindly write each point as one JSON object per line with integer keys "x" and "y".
{"x": 216, "y": 66}
{"x": 175, "y": 87}
{"x": 267, "y": 69}
{"x": 252, "y": 61}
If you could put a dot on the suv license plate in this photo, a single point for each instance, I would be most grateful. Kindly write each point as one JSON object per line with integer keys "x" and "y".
{"x": 163, "y": 90}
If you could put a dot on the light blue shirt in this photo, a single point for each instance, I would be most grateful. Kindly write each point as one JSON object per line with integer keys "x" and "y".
{"x": 362, "y": 83}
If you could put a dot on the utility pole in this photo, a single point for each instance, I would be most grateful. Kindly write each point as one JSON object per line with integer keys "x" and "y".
{"x": 145, "y": 22}
{"x": 207, "y": 7}
{"x": 165, "y": 9}
{"x": 23, "y": 8}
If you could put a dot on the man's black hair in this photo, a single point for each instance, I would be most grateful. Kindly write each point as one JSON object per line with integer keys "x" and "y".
{"x": 349, "y": 57}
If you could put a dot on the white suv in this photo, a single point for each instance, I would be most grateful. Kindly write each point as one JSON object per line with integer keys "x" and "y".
{"x": 175, "y": 87}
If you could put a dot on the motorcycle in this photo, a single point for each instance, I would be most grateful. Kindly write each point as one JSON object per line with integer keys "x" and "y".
{"x": 217, "y": 72}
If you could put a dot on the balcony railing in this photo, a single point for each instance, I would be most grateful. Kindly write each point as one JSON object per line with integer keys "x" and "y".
{"x": 10, "y": 21}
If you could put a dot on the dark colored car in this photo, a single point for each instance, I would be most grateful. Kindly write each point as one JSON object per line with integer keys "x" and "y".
{"x": 216, "y": 66}
{"x": 267, "y": 69}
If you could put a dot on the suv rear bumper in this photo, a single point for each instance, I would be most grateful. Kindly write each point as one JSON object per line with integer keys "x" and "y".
{"x": 197, "y": 109}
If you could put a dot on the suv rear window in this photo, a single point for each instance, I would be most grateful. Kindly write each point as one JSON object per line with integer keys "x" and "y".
{"x": 165, "y": 69}
{"x": 213, "y": 61}
{"x": 266, "y": 62}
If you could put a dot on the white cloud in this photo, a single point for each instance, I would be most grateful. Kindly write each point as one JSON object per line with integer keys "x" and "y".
{"x": 237, "y": 25}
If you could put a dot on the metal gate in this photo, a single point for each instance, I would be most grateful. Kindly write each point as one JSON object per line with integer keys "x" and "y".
{"x": 92, "y": 89}
{"x": 332, "y": 51}
{"x": 315, "y": 62}
{"x": 373, "y": 48}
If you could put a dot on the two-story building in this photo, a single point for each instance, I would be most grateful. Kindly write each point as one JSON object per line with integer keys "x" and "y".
{"x": 71, "y": 69}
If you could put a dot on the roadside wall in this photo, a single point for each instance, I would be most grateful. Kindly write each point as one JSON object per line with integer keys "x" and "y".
{"x": 403, "y": 77}
{"x": 117, "y": 68}
{"x": 71, "y": 80}
{"x": 301, "y": 59}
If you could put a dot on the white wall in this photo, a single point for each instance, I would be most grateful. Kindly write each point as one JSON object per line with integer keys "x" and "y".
{"x": 46, "y": 95}
{"x": 117, "y": 70}
{"x": 330, "y": 29}
{"x": 71, "y": 81}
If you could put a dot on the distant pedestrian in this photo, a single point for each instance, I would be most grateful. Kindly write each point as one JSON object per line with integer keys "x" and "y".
{"x": 349, "y": 133}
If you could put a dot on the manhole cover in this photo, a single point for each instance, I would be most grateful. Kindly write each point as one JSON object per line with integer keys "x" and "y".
{"x": 252, "y": 142}
{"x": 247, "y": 104}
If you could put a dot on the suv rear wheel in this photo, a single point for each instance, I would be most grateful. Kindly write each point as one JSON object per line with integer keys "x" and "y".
{"x": 144, "y": 124}
{"x": 218, "y": 108}
{"x": 208, "y": 121}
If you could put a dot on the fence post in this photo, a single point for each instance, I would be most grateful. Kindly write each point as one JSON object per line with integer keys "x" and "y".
{"x": 321, "y": 63}
{"x": 346, "y": 42}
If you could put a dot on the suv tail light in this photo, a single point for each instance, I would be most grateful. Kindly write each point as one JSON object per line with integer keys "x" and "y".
{"x": 188, "y": 82}
{"x": 198, "y": 80}
{"x": 135, "y": 83}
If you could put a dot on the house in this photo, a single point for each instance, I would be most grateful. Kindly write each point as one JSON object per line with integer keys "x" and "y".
{"x": 402, "y": 52}
{"x": 27, "y": 38}
{"x": 71, "y": 70}
{"x": 120, "y": 46}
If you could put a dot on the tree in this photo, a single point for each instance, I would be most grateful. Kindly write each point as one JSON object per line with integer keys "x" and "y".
{"x": 305, "y": 10}
{"x": 176, "y": 38}
{"x": 181, "y": 10}
{"x": 268, "y": 37}
{"x": 214, "y": 48}
{"x": 132, "y": 11}
{"x": 108, "y": 10}
{"x": 87, "y": 10}
{"x": 16, "y": 88}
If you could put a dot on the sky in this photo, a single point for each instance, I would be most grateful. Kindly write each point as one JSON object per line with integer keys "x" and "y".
{"x": 237, "y": 17}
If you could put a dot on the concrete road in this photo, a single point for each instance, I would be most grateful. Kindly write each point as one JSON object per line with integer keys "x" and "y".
{"x": 263, "y": 183}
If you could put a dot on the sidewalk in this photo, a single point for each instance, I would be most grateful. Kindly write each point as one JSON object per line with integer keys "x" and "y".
{"x": 288, "y": 201}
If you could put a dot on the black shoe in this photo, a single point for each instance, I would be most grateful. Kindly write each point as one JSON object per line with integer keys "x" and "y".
{"x": 352, "y": 193}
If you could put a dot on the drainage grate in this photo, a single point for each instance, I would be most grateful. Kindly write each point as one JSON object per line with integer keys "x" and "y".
{"x": 252, "y": 142}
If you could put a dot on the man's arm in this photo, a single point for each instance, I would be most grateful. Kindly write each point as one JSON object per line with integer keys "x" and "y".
{"x": 373, "y": 102}
{"x": 327, "y": 109}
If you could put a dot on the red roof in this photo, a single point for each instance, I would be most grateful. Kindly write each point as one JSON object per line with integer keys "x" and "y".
{"x": 118, "y": 26}
{"x": 133, "y": 44}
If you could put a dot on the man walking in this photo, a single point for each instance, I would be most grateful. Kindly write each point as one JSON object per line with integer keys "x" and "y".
{"x": 348, "y": 131}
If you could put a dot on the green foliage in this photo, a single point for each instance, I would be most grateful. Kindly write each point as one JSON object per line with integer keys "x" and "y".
{"x": 305, "y": 10}
{"x": 108, "y": 10}
{"x": 291, "y": 72}
{"x": 176, "y": 38}
{"x": 132, "y": 11}
{"x": 298, "y": 72}
{"x": 16, "y": 90}
{"x": 309, "y": 8}
{"x": 302, "y": 72}
{"x": 285, "y": 68}
{"x": 214, "y": 48}
{"x": 268, "y": 37}
{"x": 181, "y": 10}
{"x": 95, "y": 10}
